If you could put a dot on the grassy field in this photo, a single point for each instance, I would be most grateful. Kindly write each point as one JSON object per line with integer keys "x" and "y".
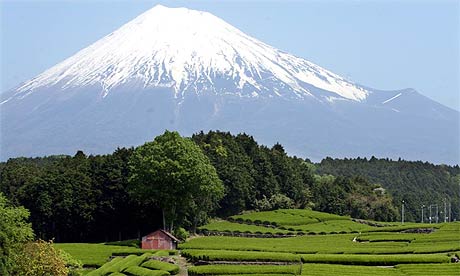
{"x": 95, "y": 254}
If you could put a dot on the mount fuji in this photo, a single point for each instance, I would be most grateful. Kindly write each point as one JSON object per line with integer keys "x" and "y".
{"x": 187, "y": 70}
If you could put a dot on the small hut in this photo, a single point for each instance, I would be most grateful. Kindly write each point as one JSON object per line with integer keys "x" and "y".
{"x": 159, "y": 239}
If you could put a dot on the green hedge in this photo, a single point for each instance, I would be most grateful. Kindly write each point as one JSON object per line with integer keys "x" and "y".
{"x": 228, "y": 255}
{"x": 366, "y": 259}
{"x": 154, "y": 264}
{"x": 429, "y": 269}
{"x": 140, "y": 271}
{"x": 243, "y": 269}
{"x": 348, "y": 270}
{"x": 106, "y": 268}
{"x": 118, "y": 264}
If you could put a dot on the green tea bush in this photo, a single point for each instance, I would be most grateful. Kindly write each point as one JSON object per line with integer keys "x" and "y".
{"x": 140, "y": 271}
{"x": 226, "y": 255}
{"x": 429, "y": 269}
{"x": 158, "y": 265}
{"x": 244, "y": 269}
{"x": 106, "y": 268}
{"x": 118, "y": 264}
{"x": 347, "y": 270}
{"x": 383, "y": 260}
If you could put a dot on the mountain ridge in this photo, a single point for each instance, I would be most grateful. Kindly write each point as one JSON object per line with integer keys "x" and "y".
{"x": 139, "y": 80}
{"x": 181, "y": 57}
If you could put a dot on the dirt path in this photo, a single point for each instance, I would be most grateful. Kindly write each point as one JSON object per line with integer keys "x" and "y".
{"x": 183, "y": 266}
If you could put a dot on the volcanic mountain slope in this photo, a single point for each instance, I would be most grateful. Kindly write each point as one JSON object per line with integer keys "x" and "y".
{"x": 186, "y": 70}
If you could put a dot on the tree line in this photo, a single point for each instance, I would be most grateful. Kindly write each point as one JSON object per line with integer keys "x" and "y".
{"x": 414, "y": 182}
{"x": 175, "y": 182}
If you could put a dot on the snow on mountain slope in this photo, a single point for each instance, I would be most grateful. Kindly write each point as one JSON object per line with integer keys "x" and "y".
{"x": 189, "y": 50}
{"x": 190, "y": 71}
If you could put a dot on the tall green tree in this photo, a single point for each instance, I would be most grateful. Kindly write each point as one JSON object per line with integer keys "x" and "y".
{"x": 234, "y": 168}
{"x": 173, "y": 174}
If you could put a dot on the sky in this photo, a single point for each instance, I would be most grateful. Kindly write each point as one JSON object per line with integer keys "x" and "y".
{"x": 386, "y": 45}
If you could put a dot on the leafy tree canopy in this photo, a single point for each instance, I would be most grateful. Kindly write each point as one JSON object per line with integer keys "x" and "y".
{"x": 173, "y": 174}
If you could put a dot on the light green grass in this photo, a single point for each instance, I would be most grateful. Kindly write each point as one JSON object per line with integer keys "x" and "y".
{"x": 94, "y": 254}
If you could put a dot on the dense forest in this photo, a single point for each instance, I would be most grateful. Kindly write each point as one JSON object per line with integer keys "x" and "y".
{"x": 416, "y": 183}
{"x": 131, "y": 191}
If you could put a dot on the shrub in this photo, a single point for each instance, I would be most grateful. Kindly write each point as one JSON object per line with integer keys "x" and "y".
{"x": 73, "y": 264}
{"x": 181, "y": 233}
{"x": 40, "y": 258}
{"x": 280, "y": 201}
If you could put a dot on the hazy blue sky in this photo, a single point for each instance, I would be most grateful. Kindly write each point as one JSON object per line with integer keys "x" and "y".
{"x": 381, "y": 44}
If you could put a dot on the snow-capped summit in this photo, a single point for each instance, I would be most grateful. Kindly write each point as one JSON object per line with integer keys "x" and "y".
{"x": 191, "y": 51}
{"x": 186, "y": 70}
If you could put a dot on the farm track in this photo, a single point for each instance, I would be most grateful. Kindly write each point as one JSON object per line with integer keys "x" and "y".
{"x": 183, "y": 266}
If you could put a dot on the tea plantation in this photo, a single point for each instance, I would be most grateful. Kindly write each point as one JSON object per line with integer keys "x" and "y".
{"x": 304, "y": 242}
{"x": 292, "y": 242}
